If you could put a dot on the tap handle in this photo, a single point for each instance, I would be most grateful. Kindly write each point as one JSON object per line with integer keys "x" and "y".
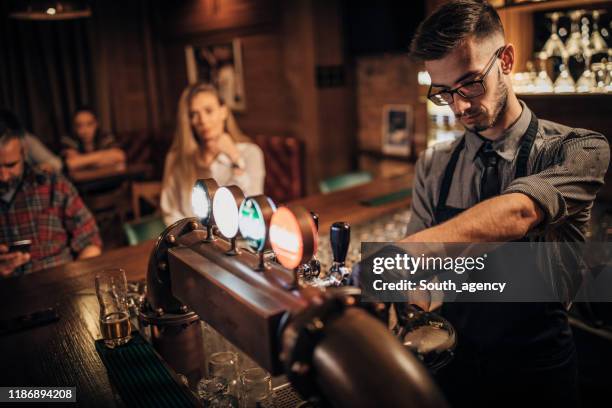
{"x": 340, "y": 237}
{"x": 315, "y": 218}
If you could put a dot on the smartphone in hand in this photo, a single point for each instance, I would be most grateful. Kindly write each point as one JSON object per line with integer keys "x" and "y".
{"x": 28, "y": 321}
{"x": 21, "y": 246}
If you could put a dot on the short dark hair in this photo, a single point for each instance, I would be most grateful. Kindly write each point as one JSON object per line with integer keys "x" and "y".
{"x": 84, "y": 108}
{"x": 450, "y": 25}
{"x": 10, "y": 126}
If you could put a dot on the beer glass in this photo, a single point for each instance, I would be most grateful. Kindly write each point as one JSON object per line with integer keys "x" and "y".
{"x": 223, "y": 366}
{"x": 111, "y": 289}
{"x": 554, "y": 49}
{"x": 256, "y": 389}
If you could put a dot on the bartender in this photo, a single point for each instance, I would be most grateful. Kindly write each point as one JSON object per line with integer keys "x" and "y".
{"x": 510, "y": 177}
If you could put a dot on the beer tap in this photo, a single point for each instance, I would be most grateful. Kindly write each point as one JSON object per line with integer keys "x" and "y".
{"x": 340, "y": 238}
{"x": 254, "y": 224}
{"x": 202, "y": 202}
{"x": 311, "y": 269}
{"x": 294, "y": 239}
{"x": 225, "y": 208}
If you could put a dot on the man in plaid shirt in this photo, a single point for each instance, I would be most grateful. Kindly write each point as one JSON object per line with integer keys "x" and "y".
{"x": 41, "y": 207}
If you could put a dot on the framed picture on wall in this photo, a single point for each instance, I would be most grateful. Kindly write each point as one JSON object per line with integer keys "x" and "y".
{"x": 220, "y": 65}
{"x": 397, "y": 132}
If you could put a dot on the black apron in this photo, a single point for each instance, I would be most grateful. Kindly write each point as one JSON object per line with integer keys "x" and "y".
{"x": 506, "y": 347}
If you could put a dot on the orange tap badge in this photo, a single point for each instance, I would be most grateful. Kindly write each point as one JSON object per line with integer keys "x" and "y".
{"x": 293, "y": 236}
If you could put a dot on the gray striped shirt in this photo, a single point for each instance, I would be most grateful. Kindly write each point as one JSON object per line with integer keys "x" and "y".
{"x": 566, "y": 168}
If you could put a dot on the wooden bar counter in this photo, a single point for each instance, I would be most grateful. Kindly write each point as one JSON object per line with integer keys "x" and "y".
{"x": 63, "y": 353}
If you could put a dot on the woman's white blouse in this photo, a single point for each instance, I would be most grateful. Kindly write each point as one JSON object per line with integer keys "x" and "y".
{"x": 176, "y": 202}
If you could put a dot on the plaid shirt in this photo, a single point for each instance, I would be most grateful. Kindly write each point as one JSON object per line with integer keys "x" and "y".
{"x": 47, "y": 209}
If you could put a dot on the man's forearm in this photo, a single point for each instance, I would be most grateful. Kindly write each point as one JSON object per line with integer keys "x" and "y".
{"x": 100, "y": 158}
{"x": 499, "y": 219}
{"x": 89, "y": 252}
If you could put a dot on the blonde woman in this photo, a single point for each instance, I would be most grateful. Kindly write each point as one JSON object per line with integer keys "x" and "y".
{"x": 207, "y": 143}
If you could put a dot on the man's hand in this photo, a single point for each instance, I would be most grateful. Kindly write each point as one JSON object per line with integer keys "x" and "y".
{"x": 89, "y": 251}
{"x": 46, "y": 168}
{"x": 9, "y": 261}
{"x": 226, "y": 145}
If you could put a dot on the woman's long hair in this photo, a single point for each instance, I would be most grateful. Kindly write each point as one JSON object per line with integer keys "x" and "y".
{"x": 185, "y": 146}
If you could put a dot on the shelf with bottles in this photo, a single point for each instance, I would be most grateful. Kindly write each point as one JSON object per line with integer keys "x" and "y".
{"x": 442, "y": 124}
{"x": 540, "y": 5}
{"x": 568, "y": 97}
{"x": 572, "y": 51}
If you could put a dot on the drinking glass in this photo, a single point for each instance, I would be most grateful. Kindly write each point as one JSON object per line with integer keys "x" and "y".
{"x": 530, "y": 77}
{"x": 577, "y": 44}
{"x": 597, "y": 43}
{"x": 135, "y": 299}
{"x": 542, "y": 82}
{"x": 600, "y": 73}
{"x": 224, "y": 366}
{"x": 609, "y": 76}
{"x": 213, "y": 393}
{"x": 111, "y": 290}
{"x": 256, "y": 389}
{"x": 553, "y": 48}
{"x": 565, "y": 82}
{"x": 429, "y": 336}
{"x": 586, "y": 83}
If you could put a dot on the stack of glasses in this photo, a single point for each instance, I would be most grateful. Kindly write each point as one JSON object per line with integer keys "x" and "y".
{"x": 581, "y": 64}
{"x": 224, "y": 387}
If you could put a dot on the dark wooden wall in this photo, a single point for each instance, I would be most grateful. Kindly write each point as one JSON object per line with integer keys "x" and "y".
{"x": 282, "y": 44}
{"x": 139, "y": 63}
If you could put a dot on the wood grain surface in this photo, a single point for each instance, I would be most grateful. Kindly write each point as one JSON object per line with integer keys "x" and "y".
{"x": 63, "y": 353}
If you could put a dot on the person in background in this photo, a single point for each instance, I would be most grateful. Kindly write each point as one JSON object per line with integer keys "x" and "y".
{"x": 41, "y": 207}
{"x": 37, "y": 154}
{"x": 207, "y": 144}
{"x": 511, "y": 177}
{"x": 88, "y": 146}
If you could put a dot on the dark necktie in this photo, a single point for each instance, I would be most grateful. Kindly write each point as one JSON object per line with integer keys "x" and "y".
{"x": 489, "y": 185}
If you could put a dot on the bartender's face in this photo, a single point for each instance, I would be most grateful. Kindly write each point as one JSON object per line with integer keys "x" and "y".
{"x": 466, "y": 63}
{"x": 11, "y": 164}
{"x": 207, "y": 116}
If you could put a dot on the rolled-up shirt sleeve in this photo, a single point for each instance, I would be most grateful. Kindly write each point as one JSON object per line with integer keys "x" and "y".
{"x": 571, "y": 181}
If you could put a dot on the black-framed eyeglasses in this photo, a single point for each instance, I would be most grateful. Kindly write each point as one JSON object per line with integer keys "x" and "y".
{"x": 467, "y": 90}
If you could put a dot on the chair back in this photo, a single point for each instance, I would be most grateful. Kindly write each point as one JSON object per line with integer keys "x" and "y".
{"x": 344, "y": 181}
{"x": 284, "y": 160}
{"x": 148, "y": 191}
{"x": 143, "y": 229}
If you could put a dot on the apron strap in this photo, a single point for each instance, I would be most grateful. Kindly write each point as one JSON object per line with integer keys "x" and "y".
{"x": 448, "y": 174}
{"x": 521, "y": 161}
{"x": 525, "y": 149}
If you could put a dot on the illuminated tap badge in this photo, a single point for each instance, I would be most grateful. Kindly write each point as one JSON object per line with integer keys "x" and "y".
{"x": 254, "y": 219}
{"x": 293, "y": 236}
{"x": 201, "y": 199}
{"x": 226, "y": 204}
